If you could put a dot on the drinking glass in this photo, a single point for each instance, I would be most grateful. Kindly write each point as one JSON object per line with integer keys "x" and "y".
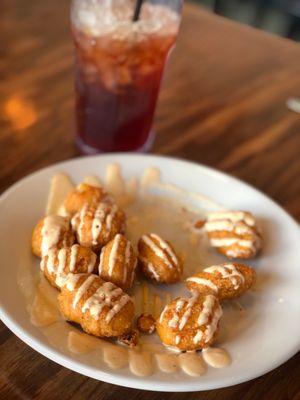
{"x": 119, "y": 64}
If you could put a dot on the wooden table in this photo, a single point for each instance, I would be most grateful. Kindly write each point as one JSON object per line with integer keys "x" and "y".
{"x": 222, "y": 104}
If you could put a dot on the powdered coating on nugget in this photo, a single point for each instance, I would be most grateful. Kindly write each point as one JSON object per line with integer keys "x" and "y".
{"x": 158, "y": 259}
{"x": 118, "y": 262}
{"x": 226, "y": 281}
{"x": 51, "y": 231}
{"x": 189, "y": 323}
{"x": 234, "y": 233}
{"x": 96, "y": 225}
{"x": 57, "y": 263}
{"x": 101, "y": 308}
{"x": 85, "y": 194}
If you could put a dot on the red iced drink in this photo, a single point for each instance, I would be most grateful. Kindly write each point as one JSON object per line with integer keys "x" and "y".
{"x": 119, "y": 65}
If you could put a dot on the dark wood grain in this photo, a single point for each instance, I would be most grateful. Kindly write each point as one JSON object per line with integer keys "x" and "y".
{"x": 222, "y": 104}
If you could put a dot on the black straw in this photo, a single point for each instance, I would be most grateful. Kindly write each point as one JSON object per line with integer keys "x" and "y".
{"x": 138, "y": 6}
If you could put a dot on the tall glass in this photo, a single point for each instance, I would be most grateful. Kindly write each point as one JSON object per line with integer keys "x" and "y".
{"x": 118, "y": 69}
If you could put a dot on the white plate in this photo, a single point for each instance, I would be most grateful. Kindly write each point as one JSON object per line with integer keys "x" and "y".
{"x": 270, "y": 332}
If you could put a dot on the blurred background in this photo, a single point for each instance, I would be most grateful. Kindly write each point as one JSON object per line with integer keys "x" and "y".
{"x": 281, "y": 17}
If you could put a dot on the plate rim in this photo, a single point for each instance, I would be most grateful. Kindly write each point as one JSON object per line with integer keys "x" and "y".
{"x": 132, "y": 381}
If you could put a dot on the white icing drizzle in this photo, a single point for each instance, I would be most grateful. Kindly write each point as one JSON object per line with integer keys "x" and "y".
{"x": 62, "y": 259}
{"x": 156, "y": 249}
{"x": 204, "y": 315}
{"x": 110, "y": 218}
{"x": 198, "y": 336}
{"x": 163, "y": 313}
{"x": 177, "y": 339}
{"x": 225, "y": 242}
{"x": 56, "y": 262}
{"x": 133, "y": 270}
{"x": 60, "y": 275}
{"x": 91, "y": 265}
{"x": 83, "y": 288}
{"x": 234, "y": 216}
{"x": 188, "y": 312}
{"x": 113, "y": 256}
{"x": 117, "y": 307}
{"x": 164, "y": 245}
{"x": 72, "y": 280}
{"x": 179, "y": 304}
{"x": 235, "y": 253}
{"x": 150, "y": 267}
{"x": 101, "y": 263}
{"x": 153, "y": 271}
{"x": 173, "y": 323}
{"x": 126, "y": 262}
{"x": 227, "y": 271}
{"x": 42, "y": 264}
{"x": 211, "y": 328}
{"x": 73, "y": 256}
{"x": 206, "y": 311}
{"x": 102, "y": 220}
{"x": 97, "y": 222}
{"x": 60, "y": 280}
{"x": 77, "y": 221}
{"x": 106, "y": 295}
{"x": 238, "y": 223}
{"x": 204, "y": 282}
{"x": 175, "y": 349}
{"x": 48, "y": 260}
{"x": 51, "y": 231}
{"x": 242, "y": 229}
{"x": 226, "y": 225}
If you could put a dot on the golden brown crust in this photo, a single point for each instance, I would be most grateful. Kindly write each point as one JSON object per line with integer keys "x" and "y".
{"x": 225, "y": 281}
{"x": 65, "y": 238}
{"x": 234, "y": 234}
{"x": 118, "y": 262}
{"x": 59, "y": 262}
{"x": 189, "y": 324}
{"x": 93, "y": 310}
{"x": 158, "y": 260}
{"x": 96, "y": 225}
{"x": 146, "y": 323}
{"x": 85, "y": 194}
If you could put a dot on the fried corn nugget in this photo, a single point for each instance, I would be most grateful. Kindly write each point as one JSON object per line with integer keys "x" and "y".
{"x": 225, "y": 281}
{"x": 189, "y": 324}
{"x": 118, "y": 262}
{"x": 234, "y": 234}
{"x": 85, "y": 194}
{"x": 158, "y": 259}
{"x": 57, "y": 263}
{"x": 96, "y": 225}
{"x": 51, "y": 231}
{"x": 101, "y": 308}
